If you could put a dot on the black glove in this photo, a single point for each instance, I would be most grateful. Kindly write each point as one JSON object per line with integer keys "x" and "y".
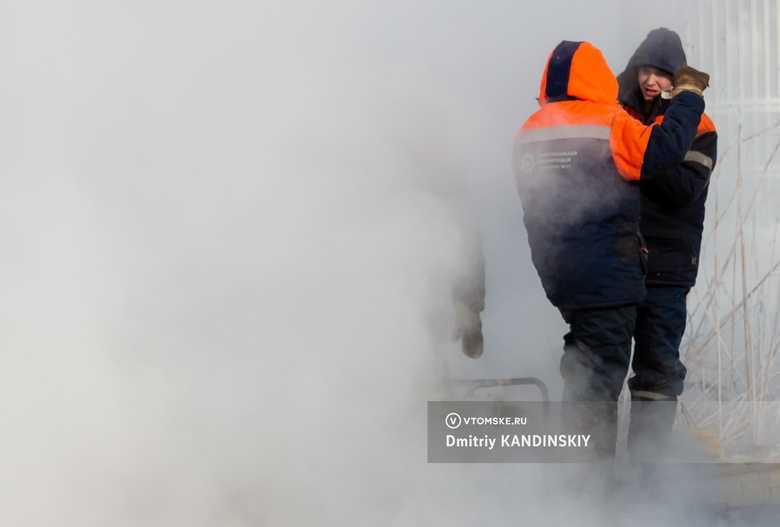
{"x": 689, "y": 79}
{"x": 468, "y": 328}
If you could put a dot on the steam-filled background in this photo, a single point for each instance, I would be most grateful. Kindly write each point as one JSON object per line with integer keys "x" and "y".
{"x": 227, "y": 242}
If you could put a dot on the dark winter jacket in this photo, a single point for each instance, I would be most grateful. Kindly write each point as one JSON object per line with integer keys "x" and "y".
{"x": 672, "y": 200}
{"x": 577, "y": 163}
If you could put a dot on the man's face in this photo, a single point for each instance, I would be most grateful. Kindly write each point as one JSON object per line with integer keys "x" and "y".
{"x": 653, "y": 81}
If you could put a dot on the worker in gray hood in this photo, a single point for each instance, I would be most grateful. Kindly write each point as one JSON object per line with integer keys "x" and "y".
{"x": 671, "y": 221}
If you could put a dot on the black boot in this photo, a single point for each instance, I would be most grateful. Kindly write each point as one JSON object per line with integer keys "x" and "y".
{"x": 650, "y": 430}
{"x": 598, "y": 421}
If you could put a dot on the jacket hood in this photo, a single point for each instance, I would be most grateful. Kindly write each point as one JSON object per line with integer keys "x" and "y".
{"x": 577, "y": 71}
{"x": 662, "y": 49}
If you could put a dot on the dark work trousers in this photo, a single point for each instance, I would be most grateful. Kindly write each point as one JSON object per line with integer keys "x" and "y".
{"x": 596, "y": 354}
{"x": 658, "y": 373}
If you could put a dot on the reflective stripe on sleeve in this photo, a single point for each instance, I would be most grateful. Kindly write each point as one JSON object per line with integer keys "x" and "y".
{"x": 698, "y": 157}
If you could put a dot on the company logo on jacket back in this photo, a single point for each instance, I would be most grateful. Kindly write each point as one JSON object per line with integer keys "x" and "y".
{"x": 560, "y": 160}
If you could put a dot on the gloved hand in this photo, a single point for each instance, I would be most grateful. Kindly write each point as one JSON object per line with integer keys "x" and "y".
{"x": 689, "y": 79}
{"x": 468, "y": 328}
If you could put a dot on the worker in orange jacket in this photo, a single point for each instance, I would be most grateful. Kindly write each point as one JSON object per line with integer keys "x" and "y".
{"x": 578, "y": 161}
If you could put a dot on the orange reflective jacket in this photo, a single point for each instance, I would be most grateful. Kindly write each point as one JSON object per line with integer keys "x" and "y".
{"x": 577, "y": 163}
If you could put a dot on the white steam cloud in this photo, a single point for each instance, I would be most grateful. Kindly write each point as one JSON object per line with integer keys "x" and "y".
{"x": 225, "y": 288}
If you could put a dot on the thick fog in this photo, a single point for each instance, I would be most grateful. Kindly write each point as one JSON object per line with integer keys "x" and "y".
{"x": 226, "y": 260}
